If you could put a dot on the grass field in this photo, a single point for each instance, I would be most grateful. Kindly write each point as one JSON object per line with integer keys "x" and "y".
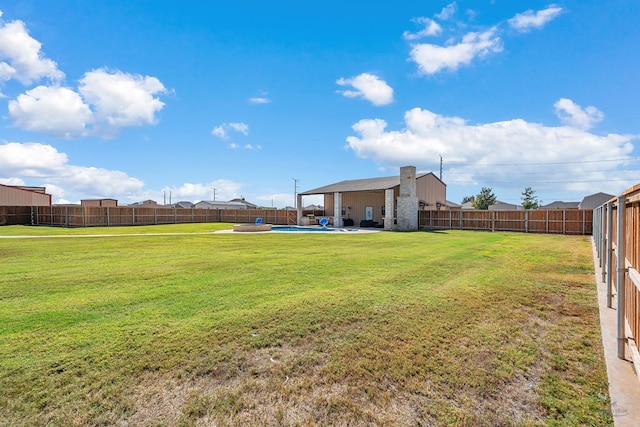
{"x": 423, "y": 328}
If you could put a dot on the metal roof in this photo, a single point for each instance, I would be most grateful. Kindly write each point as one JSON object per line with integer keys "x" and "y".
{"x": 369, "y": 184}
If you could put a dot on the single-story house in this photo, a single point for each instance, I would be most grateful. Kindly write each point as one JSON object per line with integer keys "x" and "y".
{"x": 111, "y": 203}
{"x": 560, "y": 205}
{"x": 595, "y": 200}
{"x": 453, "y": 206}
{"x": 381, "y": 202}
{"x": 145, "y": 204}
{"x": 16, "y": 195}
{"x": 218, "y": 204}
{"x": 183, "y": 205}
{"x": 247, "y": 204}
{"x": 504, "y": 206}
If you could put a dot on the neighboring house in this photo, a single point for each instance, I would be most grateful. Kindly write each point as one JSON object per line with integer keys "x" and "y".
{"x": 183, "y": 205}
{"x": 503, "y": 206}
{"x": 215, "y": 204}
{"x": 595, "y": 200}
{"x": 109, "y": 203}
{"x": 466, "y": 206}
{"x": 313, "y": 208}
{"x": 560, "y": 205}
{"x": 15, "y": 195}
{"x": 381, "y": 200}
{"x": 243, "y": 201}
{"x": 145, "y": 204}
{"x": 452, "y": 205}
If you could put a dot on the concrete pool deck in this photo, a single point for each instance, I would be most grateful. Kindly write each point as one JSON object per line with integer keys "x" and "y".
{"x": 307, "y": 230}
{"x": 624, "y": 384}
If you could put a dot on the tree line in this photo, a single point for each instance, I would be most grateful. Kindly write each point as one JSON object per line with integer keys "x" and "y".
{"x": 486, "y": 198}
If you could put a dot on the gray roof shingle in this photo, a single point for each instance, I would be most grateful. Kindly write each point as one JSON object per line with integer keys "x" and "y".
{"x": 369, "y": 184}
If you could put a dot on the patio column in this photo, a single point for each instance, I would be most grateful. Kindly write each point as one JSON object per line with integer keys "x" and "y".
{"x": 389, "y": 209}
{"x": 337, "y": 209}
{"x": 299, "y": 210}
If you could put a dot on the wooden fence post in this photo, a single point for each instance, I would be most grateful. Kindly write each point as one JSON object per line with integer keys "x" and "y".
{"x": 609, "y": 255}
{"x": 620, "y": 277}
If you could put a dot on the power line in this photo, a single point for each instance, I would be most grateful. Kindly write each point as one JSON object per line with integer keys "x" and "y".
{"x": 543, "y": 182}
{"x": 624, "y": 159}
{"x": 544, "y": 172}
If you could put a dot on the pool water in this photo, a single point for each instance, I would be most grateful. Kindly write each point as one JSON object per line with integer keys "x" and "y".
{"x": 301, "y": 229}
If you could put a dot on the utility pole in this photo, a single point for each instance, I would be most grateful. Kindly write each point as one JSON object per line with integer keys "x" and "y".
{"x": 440, "y": 168}
{"x": 214, "y": 194}
{"x": 295, "y": 192}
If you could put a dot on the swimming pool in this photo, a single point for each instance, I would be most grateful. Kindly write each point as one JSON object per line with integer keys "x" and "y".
{"x": 293, "y": 228}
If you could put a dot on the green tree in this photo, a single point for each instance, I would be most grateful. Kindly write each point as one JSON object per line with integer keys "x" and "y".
{"x": 529, "y": 199}
{"x": 466, "y": 199}
{"x": 484, "y": 199}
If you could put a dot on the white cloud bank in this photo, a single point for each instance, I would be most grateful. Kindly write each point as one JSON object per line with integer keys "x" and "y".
{"x": 42, "y": 162}
{"x": 530, "y": 19}
{"x": 513, "y": 151}
{"x": 194, "y": 192}
{"x": 43, "y": 165}
{"x": 369, "y": 87}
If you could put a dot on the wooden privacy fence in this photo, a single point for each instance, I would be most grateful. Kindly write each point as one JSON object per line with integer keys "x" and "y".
{"x": 561, "y": 221}
{"x": 616, "y": 231}
{"x": 94, "y": 216}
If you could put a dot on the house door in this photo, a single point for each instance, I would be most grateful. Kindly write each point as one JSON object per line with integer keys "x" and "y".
{"x": 368, "y": 213}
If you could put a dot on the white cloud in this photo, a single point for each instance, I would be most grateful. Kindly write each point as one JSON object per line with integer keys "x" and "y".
{"x": 122, "y": 99}
{"x": 447, "y": 11}
{"x": 11, "y": 181}
{"x": 43, "y": 162}
{"x": 528, "y": 20}
{"x": 240, "y": 127}
{"x": 53, "y": 110}
{"x": 105, "y": 103}
{"x": 432, "y": 58}
{"x": 572, "y": 114}
{"x": 224, "y": 190}
{"x": 369, "y": 87}
{"x": 431, "y": 28}
{"x": 30, "y": 159}
{"x": 21, "y": 57}
{"x": 259, "y": 100}
{"x": 511, "y": 145}
{"x": 222, "y": 131}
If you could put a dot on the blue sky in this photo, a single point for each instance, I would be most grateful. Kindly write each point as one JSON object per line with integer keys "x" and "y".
{"x": 138, "y": 100}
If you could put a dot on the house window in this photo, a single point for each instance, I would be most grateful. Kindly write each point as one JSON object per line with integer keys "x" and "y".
{"x": 383, "y": 210}
{"x": 344, "y": 211}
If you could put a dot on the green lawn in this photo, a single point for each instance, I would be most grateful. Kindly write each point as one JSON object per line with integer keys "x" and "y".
{"x": 442, "y": 328}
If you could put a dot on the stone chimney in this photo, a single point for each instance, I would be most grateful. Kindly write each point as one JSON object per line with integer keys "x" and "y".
{"x": 407, "y": 200}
